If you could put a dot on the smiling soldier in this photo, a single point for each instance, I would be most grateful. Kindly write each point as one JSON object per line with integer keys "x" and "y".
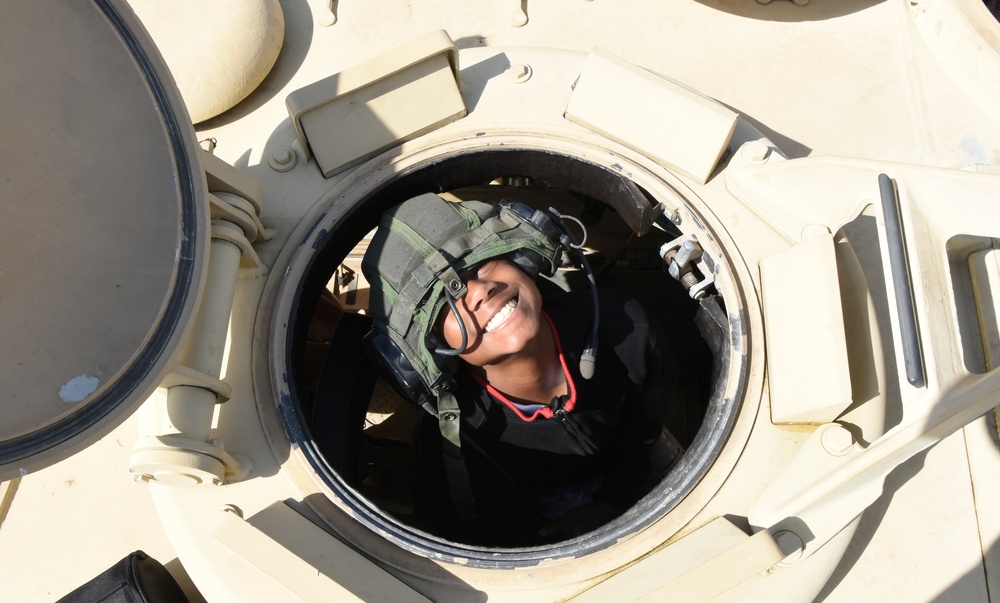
{"x": 553, "y": 442}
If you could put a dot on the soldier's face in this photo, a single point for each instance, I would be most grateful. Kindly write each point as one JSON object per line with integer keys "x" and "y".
{"x": 501, "y": 311}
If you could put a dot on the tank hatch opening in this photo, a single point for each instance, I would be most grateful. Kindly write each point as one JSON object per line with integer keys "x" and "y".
{"x": 371, "y": 446}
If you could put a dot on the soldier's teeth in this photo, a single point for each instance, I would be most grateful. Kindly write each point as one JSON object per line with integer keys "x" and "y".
{"x": 501, "y": 316}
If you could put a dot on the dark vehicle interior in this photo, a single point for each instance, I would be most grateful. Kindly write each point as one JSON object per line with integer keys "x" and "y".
{"x": 365, "y": 432}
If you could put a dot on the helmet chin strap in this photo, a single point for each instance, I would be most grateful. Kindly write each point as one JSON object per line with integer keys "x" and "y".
{"x": 461, "y": 327}
{"x": 588, "y": 359}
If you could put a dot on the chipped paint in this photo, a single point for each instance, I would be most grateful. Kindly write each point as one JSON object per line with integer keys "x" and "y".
{"x": 974, "y": 151}
{"x": 78, "y": 389}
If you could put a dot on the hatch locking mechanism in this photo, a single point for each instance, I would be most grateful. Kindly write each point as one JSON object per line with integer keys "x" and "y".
{"x": 689, "y": 264}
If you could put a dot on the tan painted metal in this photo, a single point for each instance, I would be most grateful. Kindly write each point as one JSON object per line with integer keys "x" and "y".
{"x": 243, "y": 37}
{"x": 318, "y": 567}
{"x": 760, "y": 130}
{"x": 360, "y": 112}
{"x": 805, "y": 352}
{"x": 659, "y": 117}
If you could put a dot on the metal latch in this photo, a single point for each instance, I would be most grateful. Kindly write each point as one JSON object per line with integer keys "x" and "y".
{"x": 688, "y": 263}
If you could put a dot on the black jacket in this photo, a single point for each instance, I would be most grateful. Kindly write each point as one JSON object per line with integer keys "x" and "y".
{"x": 604, "y": 438}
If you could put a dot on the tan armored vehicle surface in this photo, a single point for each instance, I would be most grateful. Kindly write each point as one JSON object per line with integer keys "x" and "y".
{"x": 805, "y": 195}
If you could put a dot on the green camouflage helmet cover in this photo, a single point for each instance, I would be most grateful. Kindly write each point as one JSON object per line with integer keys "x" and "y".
{"x": 420, "y": 248}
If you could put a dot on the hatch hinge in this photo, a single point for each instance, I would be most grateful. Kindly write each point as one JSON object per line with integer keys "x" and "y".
{"x": 177, "y": 447}
{"x": 234, "y": 202}
{"x": 184, "y": 375}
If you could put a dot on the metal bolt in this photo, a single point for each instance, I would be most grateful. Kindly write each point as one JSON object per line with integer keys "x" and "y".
{"x": 688, "y": 252}
{"x": 790, "y": 545}
{"x": 755, "y": 151}
{"x": 837, "y": 440}
{"x": 282, "y": 159}
{"x": 282, "y": 156}
{"x": 689, "y": 279}
{"x": 682, "y": 261}
{"x": 449, "y": 416}
{"x": 518, "y": 73}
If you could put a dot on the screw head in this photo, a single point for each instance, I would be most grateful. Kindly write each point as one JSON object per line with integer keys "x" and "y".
{"x": 282, "y": 159}
{"x": 518, "y": 73}
{"x": 837, "y": 440}
{"x": 790, "y": 545}
{"x": 755, "y": 151}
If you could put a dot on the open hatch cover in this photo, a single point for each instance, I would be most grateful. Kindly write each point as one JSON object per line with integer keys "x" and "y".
{"x": 103, "y": 236}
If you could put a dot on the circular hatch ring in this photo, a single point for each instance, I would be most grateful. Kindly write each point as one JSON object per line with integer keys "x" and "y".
{"x": 350, "y": 209}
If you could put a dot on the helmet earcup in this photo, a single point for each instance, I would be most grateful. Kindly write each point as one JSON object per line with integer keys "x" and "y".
{"x": 543, "y": 224}
{"x": 394, "y": 365}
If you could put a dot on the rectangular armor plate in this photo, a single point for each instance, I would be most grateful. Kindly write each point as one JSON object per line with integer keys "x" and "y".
{"x": 807, "y": 367}
{"x": 356, "y": 114}
{"x": 656, "y": 116}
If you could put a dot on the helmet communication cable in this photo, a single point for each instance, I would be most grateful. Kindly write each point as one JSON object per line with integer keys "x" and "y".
{"x": 461, "y": 327}
{"x": 588, "y": 360}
